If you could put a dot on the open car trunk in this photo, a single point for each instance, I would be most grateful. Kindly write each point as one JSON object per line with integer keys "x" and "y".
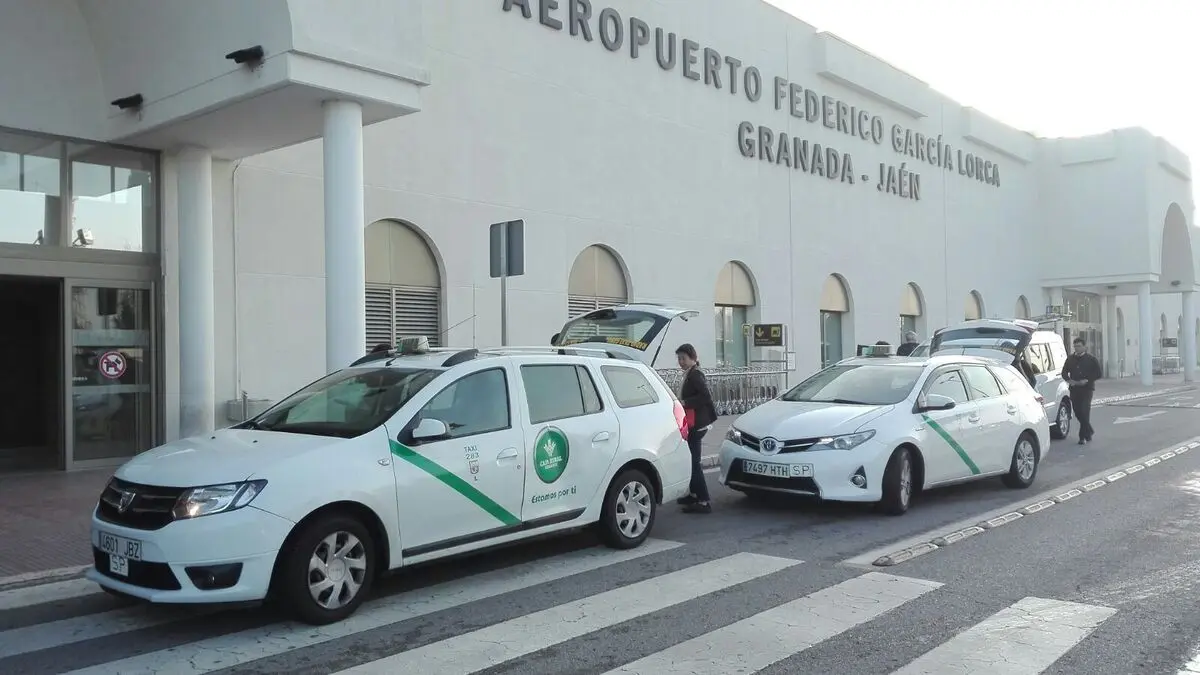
{"x": 637, "y": 331}
{"x": 1002, "y": 341}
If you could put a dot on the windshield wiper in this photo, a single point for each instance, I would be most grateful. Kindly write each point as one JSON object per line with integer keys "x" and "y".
{"x": 843, "y": 401}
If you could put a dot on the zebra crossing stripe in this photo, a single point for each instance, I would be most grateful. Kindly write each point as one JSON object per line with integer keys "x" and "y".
{"x": 1025, "y": 638}
{"x": 776, "y": 634}
{"x": 44, "y": 593}
{"x": 67, "y": 631}
{"x": 225, "y": 651}
{"x": 508, "y": 640}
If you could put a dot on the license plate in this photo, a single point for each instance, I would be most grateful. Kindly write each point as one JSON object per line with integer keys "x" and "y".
{"x": 778, "y": 470}
{"x": 131, "y": 549}
{"x": 118, "y": 565}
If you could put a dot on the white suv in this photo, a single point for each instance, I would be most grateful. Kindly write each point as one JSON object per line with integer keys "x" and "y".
{"x": 399, "y": 459}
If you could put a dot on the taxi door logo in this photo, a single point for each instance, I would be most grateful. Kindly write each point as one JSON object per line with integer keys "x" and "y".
{"x": 550, "y": 454}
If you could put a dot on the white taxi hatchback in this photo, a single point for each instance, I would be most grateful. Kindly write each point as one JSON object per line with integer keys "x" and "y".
{"x": 881, "y": 428}
{"x": 396, "y": 460}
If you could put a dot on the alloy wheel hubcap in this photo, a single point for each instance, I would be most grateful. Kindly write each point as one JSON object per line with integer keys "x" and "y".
{"x": 1064, "y": 419}
{"x": 905, "y": 479}
{"x": 337, "y": 570}
{"x": 634, "y": 507}
{"x": 1026, "y": 460}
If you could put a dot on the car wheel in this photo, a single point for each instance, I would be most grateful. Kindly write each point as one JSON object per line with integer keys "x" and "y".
{"x": 629, "y": 510}
{"x": 1062, "y": 426}
{"x": 1023, "y": 468}
{"x": 328, "y": 569}
{"x": 897, "y": 483}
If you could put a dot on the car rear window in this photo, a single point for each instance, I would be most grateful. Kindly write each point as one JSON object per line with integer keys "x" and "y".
{"x": 629, "y": 387}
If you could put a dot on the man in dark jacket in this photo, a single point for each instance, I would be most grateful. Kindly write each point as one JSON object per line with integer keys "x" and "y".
{"x": 1081, "y": 370}
{"x": 910, "y": 343}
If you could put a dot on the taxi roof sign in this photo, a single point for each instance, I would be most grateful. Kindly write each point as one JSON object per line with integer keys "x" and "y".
{"x": 414, "y": 344}
{"x": 878, "y": 351}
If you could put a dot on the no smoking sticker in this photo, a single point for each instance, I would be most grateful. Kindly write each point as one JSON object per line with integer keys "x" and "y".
{"x": 112, "y": 365}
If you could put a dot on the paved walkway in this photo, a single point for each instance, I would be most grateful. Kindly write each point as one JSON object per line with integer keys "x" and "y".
{"x": 44, "y": 517}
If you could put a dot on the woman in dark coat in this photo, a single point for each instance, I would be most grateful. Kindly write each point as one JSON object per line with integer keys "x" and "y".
{"x": 698, "y": 404}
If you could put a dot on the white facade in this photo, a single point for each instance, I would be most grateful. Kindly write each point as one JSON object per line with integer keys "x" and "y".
{"x": 588, "y": 138}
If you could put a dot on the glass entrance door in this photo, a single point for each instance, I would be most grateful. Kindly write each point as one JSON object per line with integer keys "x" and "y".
{"x": 110, "y": 366}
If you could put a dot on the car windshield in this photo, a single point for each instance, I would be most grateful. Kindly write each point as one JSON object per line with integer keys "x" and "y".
{"x": 858, "y": 385}
{"x": 345, "y": 404}
{"x": 627, "y": 327}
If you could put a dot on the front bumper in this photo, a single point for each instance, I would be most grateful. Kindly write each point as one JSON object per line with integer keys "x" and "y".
{"x": 827, "y": 474}
{"x": 225, "y": 557}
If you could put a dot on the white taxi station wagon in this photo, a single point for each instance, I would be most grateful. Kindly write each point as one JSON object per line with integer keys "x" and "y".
{"x": 880, "y": 428}
{"x": 404, "y": 457}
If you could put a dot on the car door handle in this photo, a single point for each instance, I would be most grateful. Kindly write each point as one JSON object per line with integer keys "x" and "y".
{"x": 506, "y": 455}
{"x": 601, "y": 437}
{"x": 1012, "y": 410}
{"x": 973, "y": 418}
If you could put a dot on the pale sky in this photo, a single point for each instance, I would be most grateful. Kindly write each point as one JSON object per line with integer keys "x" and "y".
{"x": 1051, "y": 67}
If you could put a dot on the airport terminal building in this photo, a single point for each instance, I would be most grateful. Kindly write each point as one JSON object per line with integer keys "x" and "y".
{"x": 202, "y": 203}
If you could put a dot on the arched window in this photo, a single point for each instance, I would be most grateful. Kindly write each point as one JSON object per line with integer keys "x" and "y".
{"x": 1022, "y": 309}
{"x": 733, "y": 300}
{"x": 836, "y": 320}
{"x": 912, "y": 311}
{"x": 597, "y": 280}
{"x": 403, "y": 284}
{"x": 973, "y": 307}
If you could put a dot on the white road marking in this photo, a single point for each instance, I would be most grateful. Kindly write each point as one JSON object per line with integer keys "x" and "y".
{"x": 92, "y": 626}
{"x": 43, "y": 593}
{"x": 225, "y": 651}
{"x": 1087, "y": 483}
{"x": 1139, "y": 418}
{"x": 1023, "y": 639}
{"x": 502, "y": 642}
{"x": 44, "y": 576}
{"x": 776, "y": 634}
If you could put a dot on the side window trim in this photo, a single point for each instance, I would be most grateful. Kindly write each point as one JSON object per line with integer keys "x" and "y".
{"x": 585, "y": 376}
{"x": 508, "y": 409}
{"x": 578, "y": 382}
{"x": 933, "y": 377}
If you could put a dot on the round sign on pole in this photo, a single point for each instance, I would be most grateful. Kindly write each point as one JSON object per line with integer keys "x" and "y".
{"x": 112, "y": 365}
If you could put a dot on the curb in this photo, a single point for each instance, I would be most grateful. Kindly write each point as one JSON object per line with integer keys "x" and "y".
{"x": 1037, "y": 506}
{"x": 42, "y": 577}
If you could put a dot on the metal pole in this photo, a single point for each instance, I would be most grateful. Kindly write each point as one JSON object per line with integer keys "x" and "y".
{"x": 504, "y": 285}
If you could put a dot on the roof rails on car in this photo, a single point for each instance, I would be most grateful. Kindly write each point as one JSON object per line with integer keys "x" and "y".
{"x": 561, "y": 351}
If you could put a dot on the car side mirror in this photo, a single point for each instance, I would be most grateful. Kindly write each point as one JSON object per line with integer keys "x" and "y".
{"x": 430, "y": 430}
{"x": 937, "y": 402}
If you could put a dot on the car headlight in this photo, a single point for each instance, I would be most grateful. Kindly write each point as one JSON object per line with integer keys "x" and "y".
{"x": 210, "y": 499}
{"x": 843, "y": 442}
{"x": 733, "y": 435}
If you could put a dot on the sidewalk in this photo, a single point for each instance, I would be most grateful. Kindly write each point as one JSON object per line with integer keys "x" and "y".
{"x": 44, "y": 517}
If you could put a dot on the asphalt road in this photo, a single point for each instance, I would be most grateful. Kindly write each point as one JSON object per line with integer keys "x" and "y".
{"x": 1109, "y": 575}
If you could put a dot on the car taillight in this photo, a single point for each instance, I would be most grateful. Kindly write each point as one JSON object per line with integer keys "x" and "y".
{"x": 679, "y": 419}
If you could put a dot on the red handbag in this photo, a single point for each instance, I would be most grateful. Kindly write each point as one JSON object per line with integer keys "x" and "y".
{"x": 689, "y": 418}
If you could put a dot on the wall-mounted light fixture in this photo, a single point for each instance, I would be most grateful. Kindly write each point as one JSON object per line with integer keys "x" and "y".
{"x": 1175, "y": 283}
{"x": 250, "y": 55}
{"x": 128, "y": 102}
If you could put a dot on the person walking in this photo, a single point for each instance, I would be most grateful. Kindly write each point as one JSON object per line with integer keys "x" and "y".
{"x": 910, "y": 343}
{"x": 1081, "y": 370}
{"x": 698, "y": 406}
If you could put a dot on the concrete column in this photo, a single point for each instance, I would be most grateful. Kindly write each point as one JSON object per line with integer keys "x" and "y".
{"x": 345, "y": 229}
{"x": 1145, "y": 334}
{"x": 1112, "y": 350}
{"x": 197, "y": 342}
{"x": 1188, "y": 339}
